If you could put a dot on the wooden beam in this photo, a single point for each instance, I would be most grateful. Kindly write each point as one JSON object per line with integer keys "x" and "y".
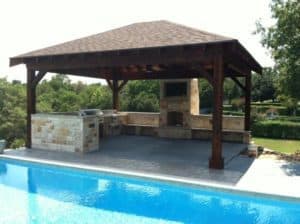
{"x": 91, "y": 72}
{"x": 31, "y": 104}
{"x": 247, "y": 102}
{"x": 238, "y": 83}
{"x": 217, "y": 161}
{"x": 203, "y": 73}
{"x": 239, "y": 68}
{"x": 172, "y": 72}
{"x": 123, "y": 83}
{"x": 121, "y": 75}
{"x": 109, "y": 84}
{"x": 38, "y": 77}
{"x": 171, "y": 55}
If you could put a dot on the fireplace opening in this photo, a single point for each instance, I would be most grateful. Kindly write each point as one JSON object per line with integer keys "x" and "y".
{"x": 175, "y": 119}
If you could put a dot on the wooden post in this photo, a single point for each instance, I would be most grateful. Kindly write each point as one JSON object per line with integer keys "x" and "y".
{"x": 247, "y": 101}
{"x": 216, "y": 161}
{"x": 115, "y": 90}
{"x": 31, "y": 104}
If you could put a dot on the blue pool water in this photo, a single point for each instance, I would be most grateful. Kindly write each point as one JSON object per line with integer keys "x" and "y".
{"x": 32, "y": 193}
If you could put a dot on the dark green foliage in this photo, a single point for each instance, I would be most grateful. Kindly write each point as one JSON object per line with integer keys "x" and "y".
{"x": 206, "y": 94}
{"x": 231, "y": 90}
{"x": 12, "y": 111}
{"x": 264, "y": 86}
{"x": 289, "y": 118}
{"x": 265, "y": 104}
{"x": 140, "y": 96}
{"x": 276, "y": 129}
{"x": 233, "y": 113}
{"x": 238, "y": 104}
{"x": 60, "y": 95}
{"x": 228, "y": 107}
{"x": 283, "y": 41}
{"x": 281, "y": 110}
{"x": 95, "y": 96}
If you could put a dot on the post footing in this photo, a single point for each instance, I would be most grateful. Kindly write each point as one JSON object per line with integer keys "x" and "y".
{"x": 216, "y": 163}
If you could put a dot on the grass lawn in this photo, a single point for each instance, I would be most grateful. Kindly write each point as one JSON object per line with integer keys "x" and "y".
{"x": 280, "y": 145}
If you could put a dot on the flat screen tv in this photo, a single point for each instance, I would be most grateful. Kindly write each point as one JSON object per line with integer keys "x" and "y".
{"x": 175, "y": 89}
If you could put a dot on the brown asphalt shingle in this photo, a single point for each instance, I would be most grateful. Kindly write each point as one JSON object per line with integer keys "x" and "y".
{"x": 134, "y": 36}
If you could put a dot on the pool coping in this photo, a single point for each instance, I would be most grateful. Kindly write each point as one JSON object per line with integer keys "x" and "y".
{"x": 160, "y": 177}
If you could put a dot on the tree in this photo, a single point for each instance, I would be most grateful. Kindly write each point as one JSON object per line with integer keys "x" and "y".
{"x": 206, "y": 94}
{"x": 141, "y": 95}
{"x": 231, "y": 90}
{"x": 283, "y": 40}
{"x": 12, "y": 112}
{"x": 95, "y": 96}
{"x": 264, "y": 86}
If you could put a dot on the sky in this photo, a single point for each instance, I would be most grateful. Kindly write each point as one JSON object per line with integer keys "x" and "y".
{"x": 34, "y": 24}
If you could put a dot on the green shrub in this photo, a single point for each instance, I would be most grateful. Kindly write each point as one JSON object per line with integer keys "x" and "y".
{"x": 238, "y": 104}
{"x": 17, "y": 143}
{"x": 282, "y": 110}
{"x": 233, "y": 113}
{"x": 276, "y": 129}
{"x": 289, "y": 118}
{"x": 227, "y": 107}
{"x": 265, "y": 104}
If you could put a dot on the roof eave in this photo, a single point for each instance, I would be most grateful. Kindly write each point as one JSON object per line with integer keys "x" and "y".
{"x": 256, "y": 67}
{"x": 13, "y": 61}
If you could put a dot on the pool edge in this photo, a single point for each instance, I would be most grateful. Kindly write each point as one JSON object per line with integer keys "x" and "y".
{"x": 159, "y": 177}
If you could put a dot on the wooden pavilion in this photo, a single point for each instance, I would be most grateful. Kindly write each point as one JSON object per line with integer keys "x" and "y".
{"x": 148, "y": 50}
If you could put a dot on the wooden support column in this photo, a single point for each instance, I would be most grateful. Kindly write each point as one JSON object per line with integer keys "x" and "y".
{"x": 115, "y": 89}
{"x": 217, "y": 161}
{"x": 247, "y": 101}
{"x": 31, "y": 104}
{"x": 32, "y": 81}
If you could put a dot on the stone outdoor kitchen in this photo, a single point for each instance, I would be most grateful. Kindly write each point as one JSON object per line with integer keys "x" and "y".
{"x": 174, "y": 54}
{"x": 178, "y": 118}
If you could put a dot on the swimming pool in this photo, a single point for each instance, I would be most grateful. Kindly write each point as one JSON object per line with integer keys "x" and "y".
{"x": 36, "y": 193}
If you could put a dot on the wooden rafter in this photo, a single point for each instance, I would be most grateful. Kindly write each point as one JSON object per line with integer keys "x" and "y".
{"x": 238, "y": 69}
{"x": 246, "y": 56}
{"x": 203, "y": 73}
{"x": 238, "y": 83}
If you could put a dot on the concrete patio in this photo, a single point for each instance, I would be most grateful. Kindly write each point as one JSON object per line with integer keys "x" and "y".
{"x": 180, "y": 159}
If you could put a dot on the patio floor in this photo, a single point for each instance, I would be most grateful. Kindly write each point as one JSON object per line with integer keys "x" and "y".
{"x": 181, "y": 159}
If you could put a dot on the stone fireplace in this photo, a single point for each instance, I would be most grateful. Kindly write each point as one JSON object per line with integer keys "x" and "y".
{"x": 175, "y": 119}
{"x": 179, "y": 99}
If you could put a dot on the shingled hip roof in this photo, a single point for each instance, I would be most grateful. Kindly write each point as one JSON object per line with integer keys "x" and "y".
{"x": 134, "y": 36}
